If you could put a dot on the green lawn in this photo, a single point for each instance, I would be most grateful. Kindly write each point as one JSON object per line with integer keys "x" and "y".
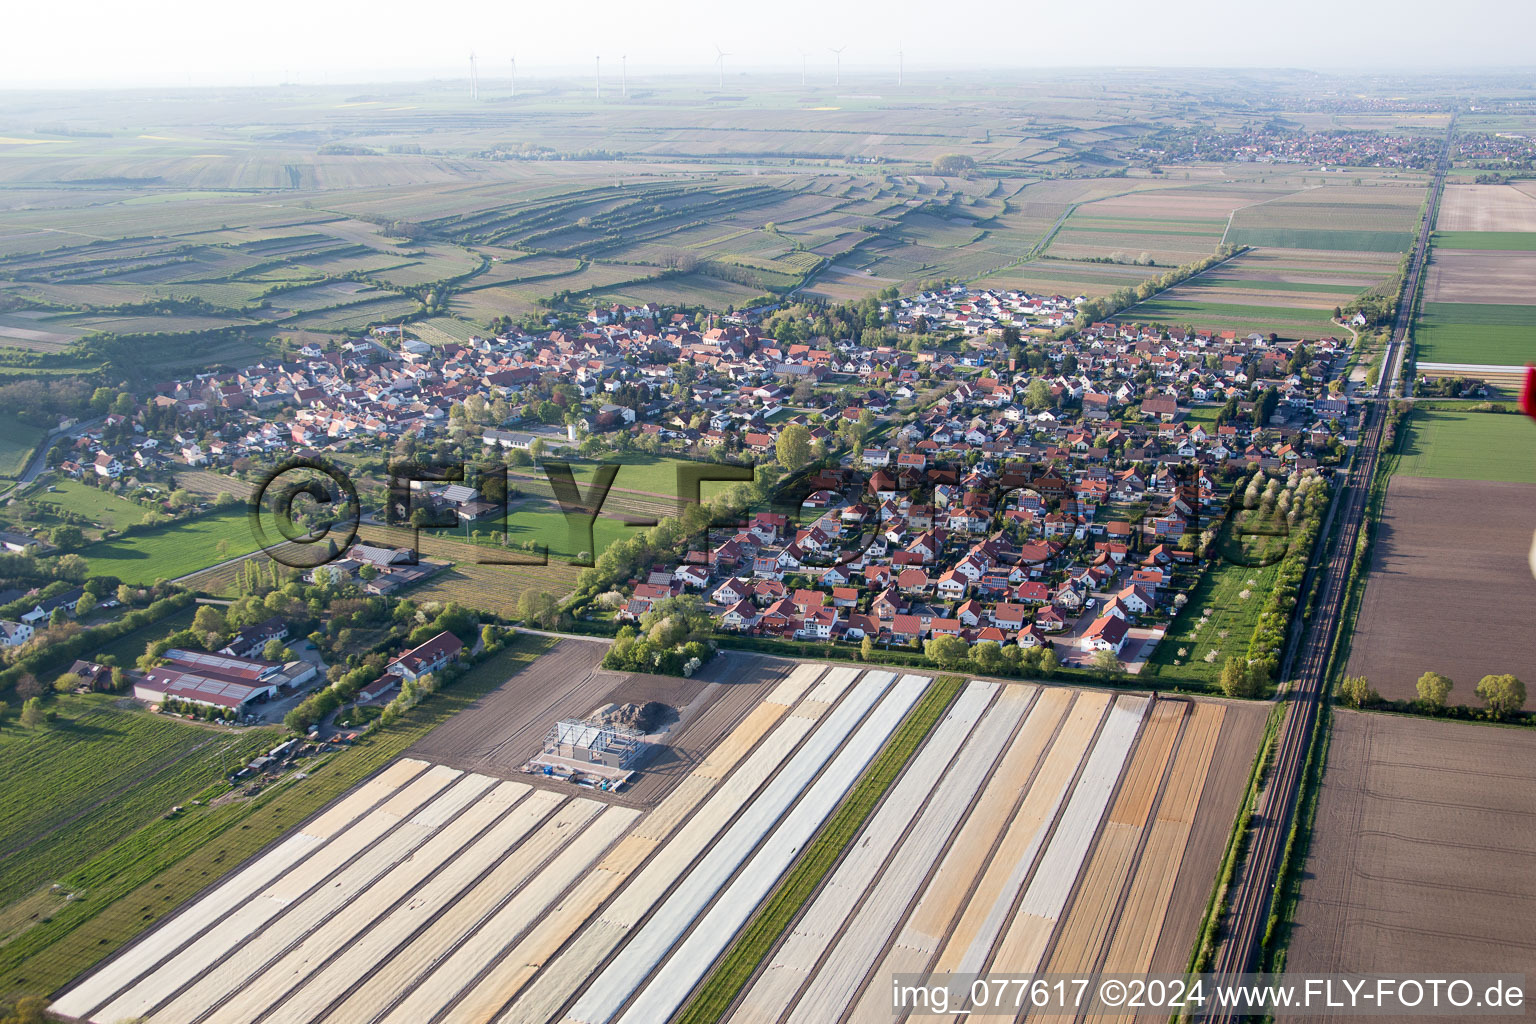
{"x": 1506, "y": 241}
{"x": 652, "y": 474}
{"x": 99, "y": 506}
{"x": 131, "y": 886}
{"x": 173, "y": 550}
{"x": 1322, "y": 238}
{"x": 1221, "y": 591}
{"x": 543, "y": 522}
{"x": 1468, "y": 446}
{"x": 17, "y": 441}
{"x": 1463, "y": 332}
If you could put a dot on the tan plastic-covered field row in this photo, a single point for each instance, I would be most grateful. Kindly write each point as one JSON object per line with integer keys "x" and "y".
{"x": 1082, "y": 935}
{"x": 1146, "y": 904}
{"x": 1024, "y": 942}
{"x": 282, "y": 892}
{"x": 860, "y": 942}
{"x": 665, "y": 991}
{"x": 639, "y": 958}
{"x": 323, "y": 906}
{"x": 174, "y": 934}
{"x": 989, "y": 907}
{"x": 946, "y": 894}
{"x": 264, "y": 992}
{"x": 411, "y": 961}
{"x": 836, "y": 902}
{"x": 449, "y": 977}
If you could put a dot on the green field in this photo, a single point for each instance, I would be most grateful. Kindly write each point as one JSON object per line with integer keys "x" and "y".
{"x": 1467, "y": 446}
{"x": 1286, "y": 321}
{"x": 92, "y": 502}
{"x": 98, "y": 773}
{"x": 127, "y": 888}
{"x": 1464, "y": 332}
{"x": 172, "y": 550}
{"x": 1504, "y": 241}
{"x": 1322, "y": 238}
{"x": 17, "y": 441}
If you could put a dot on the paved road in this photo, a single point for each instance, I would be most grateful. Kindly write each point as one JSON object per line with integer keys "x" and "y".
{"x": 40, "y": 460}
{"x": 1306, "y": 660}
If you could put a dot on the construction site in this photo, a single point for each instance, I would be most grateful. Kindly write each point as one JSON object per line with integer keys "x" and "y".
{"x": 1034, "y": 828}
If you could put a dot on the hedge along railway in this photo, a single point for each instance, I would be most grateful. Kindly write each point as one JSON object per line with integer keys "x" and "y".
{"x": 1019, "y": 826}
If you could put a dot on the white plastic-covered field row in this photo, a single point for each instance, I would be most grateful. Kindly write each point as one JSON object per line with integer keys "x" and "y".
{"x": 425, "y": 885}
{"x": 889, "y": 860}
{"x": 982, "y": 865}
{"x": 172, "y": 935}
{"x": 637, "y": 963}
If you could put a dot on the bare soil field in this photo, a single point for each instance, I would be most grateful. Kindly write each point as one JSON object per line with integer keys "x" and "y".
{"x": 1449, "y": 589}
{"x": 1465, "y": 275}
{"x": 508, "y": 726}
{"x": 1235, "y": 750}
{"x": 1424, "y": 851}
{"x": 1486, "y": 208}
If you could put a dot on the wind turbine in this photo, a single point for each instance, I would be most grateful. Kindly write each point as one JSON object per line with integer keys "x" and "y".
{"x": 901, "y": 60}
{"x": 720, "y": 56}
{"x": 597, "y": 78}
{"x": 474, "y": 78}
{"x": 624, "y": 75}
{"x": 838, "y": 51}
{"x": 803, "y": 56}
{"x": 514, "y": 78}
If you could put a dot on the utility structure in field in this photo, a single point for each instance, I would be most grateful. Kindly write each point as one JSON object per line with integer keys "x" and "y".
{"x": 474, "y": 78}
{"x": 720, "y": 56}
{"x": 624, "y": 76}
{"x": 837, "y": 52}
{"x": 589, "y": 751}
{"x": 597, "y": 78}
{"x": 514, "y": 78}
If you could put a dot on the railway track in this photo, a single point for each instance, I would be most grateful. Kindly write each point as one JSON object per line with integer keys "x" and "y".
{"x": 1306, "y": 661}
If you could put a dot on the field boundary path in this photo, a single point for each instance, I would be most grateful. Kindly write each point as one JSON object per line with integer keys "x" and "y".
{"x": 1254, "y": 888}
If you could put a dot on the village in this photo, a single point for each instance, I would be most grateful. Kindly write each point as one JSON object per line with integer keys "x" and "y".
{"x": 987, "y": 474}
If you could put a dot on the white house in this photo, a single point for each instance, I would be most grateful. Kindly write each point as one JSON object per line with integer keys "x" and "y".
{"x": 14, "y": 634}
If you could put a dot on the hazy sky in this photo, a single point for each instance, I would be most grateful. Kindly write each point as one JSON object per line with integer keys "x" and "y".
{"x": 172, "y": 42}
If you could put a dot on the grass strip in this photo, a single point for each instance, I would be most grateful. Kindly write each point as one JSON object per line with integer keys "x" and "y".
{"x": 740, "y": 962}
{"x": 130, "y": 887}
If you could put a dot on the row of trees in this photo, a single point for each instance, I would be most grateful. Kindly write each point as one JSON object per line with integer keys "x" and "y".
{"x": 1502, "y": 694}
{"x": 1095, "y": 310}
{"x": 987, "y": 657}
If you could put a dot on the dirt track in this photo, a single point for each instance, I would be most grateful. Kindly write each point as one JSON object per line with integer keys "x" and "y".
{"x": 1424, "y": 852}
{"x": 1449, "y": 588}
{"x": 507, "y": 727}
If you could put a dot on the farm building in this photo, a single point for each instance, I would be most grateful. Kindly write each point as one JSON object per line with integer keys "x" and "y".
{"x": 216, "y": 680}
